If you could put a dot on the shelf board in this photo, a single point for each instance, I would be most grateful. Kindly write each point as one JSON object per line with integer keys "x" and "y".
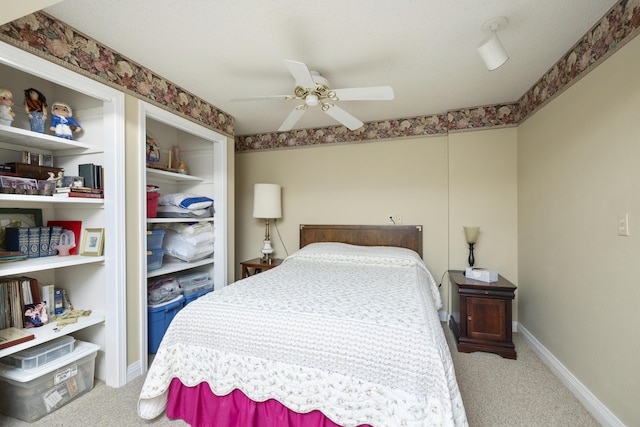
{"x": 160, "y": 174}
{"x": 19, "y": 139}
{"x": 175, "y": 266}
{"x": 168, "y": 220}
{"x": 47, "y": 333}
{"x": 46, "y": 263}
{"x": 50, "y": 199}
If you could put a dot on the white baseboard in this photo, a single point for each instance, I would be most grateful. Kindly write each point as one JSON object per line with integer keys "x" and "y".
{"x": 134, "y": 371}
{"x": 600, "y": 412}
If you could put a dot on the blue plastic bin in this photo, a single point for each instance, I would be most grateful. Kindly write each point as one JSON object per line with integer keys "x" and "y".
{"x": 194, "y": 296}
{"x": 159, "y": 318}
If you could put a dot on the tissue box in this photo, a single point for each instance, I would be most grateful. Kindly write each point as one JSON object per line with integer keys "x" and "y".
{"x": 481, "y": 274}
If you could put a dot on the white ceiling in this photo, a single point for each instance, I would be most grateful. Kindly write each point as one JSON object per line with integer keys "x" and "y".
{"x": 424, "y": 49}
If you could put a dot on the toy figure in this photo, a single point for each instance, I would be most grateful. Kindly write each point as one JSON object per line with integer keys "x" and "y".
{"x": 6, "y": 112}
{"x": 62, "y": 122}
{"x": 59, "y": 179}
{"x": 35, "y": 105}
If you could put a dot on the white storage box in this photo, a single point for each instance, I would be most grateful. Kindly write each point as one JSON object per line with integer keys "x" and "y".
{"x": 33, "y": 393}
{"x": 41, "y": 354}
{"x": 481, "y": 274}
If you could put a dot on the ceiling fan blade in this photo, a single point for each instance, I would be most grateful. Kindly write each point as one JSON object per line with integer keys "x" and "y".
{"x": 343, "y": 117}
{"x": 292, "y": 118}
{"x": 263, "y": 98}
{"x": 376, "y": 93}
{"x": 300, "y": 73}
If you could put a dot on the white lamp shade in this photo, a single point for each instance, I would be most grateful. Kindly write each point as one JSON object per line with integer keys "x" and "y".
{"x": 266, "y": 201}
{"x": 492, "y": 52}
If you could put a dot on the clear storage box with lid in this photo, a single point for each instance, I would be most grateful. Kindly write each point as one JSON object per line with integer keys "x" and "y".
{"x": 30, "y": 394}
{"x": 42, "y": 354}
{"x": 154, "y": 239}
{"x": 194, "y": 282}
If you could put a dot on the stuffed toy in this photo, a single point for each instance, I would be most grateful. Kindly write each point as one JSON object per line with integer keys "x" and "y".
{"x": 35, "y": 105}
{"x": 62, "y": 123}
{"x": 6, "y": 112}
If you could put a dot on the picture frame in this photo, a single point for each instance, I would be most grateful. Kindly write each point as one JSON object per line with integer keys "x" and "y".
{"x": 18, "y": 183}
{"x": 92, "y": 242}
{"x": 23, "y": 218}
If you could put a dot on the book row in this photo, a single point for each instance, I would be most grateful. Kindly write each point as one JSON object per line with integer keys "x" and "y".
{"x": 26, "y": 303}
{"x": 35, "y": 242}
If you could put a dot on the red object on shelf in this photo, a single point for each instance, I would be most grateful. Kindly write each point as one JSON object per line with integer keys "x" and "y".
{"x": 76, "y": 227}
{"x": 152, "y": 204}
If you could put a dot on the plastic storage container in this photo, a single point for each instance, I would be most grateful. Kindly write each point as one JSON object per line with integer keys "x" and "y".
{"x": 33, "y": 393}
{"x": 42, "y": 354}
{"x": 152, "y": 204}
{"x": 159, "y": 318}
{"x": 154, "y": 259}
{"x": 154, "y": 239}
{"x": 194, "y": 282}
{"x": 195, "y": 295}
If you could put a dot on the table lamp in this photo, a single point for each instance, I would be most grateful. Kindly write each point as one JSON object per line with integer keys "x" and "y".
{"x": 471, "y": 234}
{"x": 267, "y": 205}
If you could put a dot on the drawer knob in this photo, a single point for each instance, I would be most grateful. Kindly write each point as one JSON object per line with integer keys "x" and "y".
{"x": 469, "y": 318}
{"x": 486, "y": 292}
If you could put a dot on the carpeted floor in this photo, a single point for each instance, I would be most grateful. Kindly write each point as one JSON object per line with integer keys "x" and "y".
{"x": 496, "y": 392}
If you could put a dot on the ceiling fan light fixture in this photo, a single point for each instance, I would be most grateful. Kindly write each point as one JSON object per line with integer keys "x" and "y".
{"x": 490, "y": 49}
{"x": 311, "y": 100}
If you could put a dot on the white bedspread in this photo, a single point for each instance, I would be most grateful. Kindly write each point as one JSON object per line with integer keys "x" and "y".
{"x": 350, "y": 331}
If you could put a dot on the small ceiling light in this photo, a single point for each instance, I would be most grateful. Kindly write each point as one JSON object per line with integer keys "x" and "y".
{"x": 491, "y": 50}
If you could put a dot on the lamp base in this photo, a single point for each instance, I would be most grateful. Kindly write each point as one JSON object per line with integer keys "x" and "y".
{"x": 471, "y": 258}
{"x": 267, "y": 250}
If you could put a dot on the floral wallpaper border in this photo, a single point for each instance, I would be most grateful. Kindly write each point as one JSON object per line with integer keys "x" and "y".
{"x": 620, "y": 25}
{"x": 55, "y": 41}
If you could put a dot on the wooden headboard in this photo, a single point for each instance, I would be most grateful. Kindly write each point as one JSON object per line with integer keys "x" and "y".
{"x": 404, "y": 236}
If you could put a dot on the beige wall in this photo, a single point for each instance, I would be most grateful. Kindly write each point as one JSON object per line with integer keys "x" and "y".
{"x": 578, "y": 170}
{"x": 483, "y": 192}
{"x": 134, "y": 212}
{"x": 365, "y": 183}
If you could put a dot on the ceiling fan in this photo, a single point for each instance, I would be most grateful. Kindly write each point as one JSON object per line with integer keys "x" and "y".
{"x": 313, "y": 89}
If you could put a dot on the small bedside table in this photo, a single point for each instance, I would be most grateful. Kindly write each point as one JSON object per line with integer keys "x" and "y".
{"x": 258, "y": 266}
{"x": 481, "y": 314}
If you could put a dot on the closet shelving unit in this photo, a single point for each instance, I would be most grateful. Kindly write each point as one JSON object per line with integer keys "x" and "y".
{"x": 93, "y": 283}
{"x": 204, "y": 151}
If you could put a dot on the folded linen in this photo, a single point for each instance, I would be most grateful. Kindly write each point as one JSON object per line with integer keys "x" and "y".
{"x": 185, "y": 200}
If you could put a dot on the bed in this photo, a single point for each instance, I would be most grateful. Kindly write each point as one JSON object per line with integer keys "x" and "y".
{"x": 345, "y": 332}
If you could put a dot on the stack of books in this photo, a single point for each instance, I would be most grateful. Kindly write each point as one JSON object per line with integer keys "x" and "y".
{"x": 97, "y": 193}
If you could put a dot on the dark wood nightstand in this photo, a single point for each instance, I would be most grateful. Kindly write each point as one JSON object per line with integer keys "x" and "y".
{"x": 481, "y": 314}
{"x": 257, "y": 266}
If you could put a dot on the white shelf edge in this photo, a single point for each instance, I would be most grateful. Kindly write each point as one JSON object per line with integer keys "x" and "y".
{"x": 174, "y": 267}
{"x": 167, "y": 220}
{"x": 47, "y": 333}
{"x": 19, "y": 139}
{"x": 50, "y": 199}
{"x": 46, "y": 263}
{"x": 172, "y": 176}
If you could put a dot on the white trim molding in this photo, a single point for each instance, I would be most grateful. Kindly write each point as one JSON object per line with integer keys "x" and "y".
{"x": 600, "y": 412}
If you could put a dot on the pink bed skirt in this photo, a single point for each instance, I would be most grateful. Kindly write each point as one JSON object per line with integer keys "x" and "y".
{"x": 199, "y": 407}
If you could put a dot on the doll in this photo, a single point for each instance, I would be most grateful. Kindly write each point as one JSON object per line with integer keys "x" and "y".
{"x": 62, "y": 124}
{"x": 35, "y": 105}
{"x": 6, "y": 112}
